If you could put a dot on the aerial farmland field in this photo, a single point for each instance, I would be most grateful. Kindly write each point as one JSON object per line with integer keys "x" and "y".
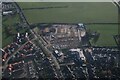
{"x": 81, "y": 12}
{"x": 106, "y": 34}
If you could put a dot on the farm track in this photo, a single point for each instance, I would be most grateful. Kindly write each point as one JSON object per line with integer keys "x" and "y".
{"x": 38, "y": 8}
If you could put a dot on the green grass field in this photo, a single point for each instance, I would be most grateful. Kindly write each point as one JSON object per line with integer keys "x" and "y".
{"x": 75, "y": 12}
{"x": 8, "y": 22}
{"x": 106, "y": 34}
